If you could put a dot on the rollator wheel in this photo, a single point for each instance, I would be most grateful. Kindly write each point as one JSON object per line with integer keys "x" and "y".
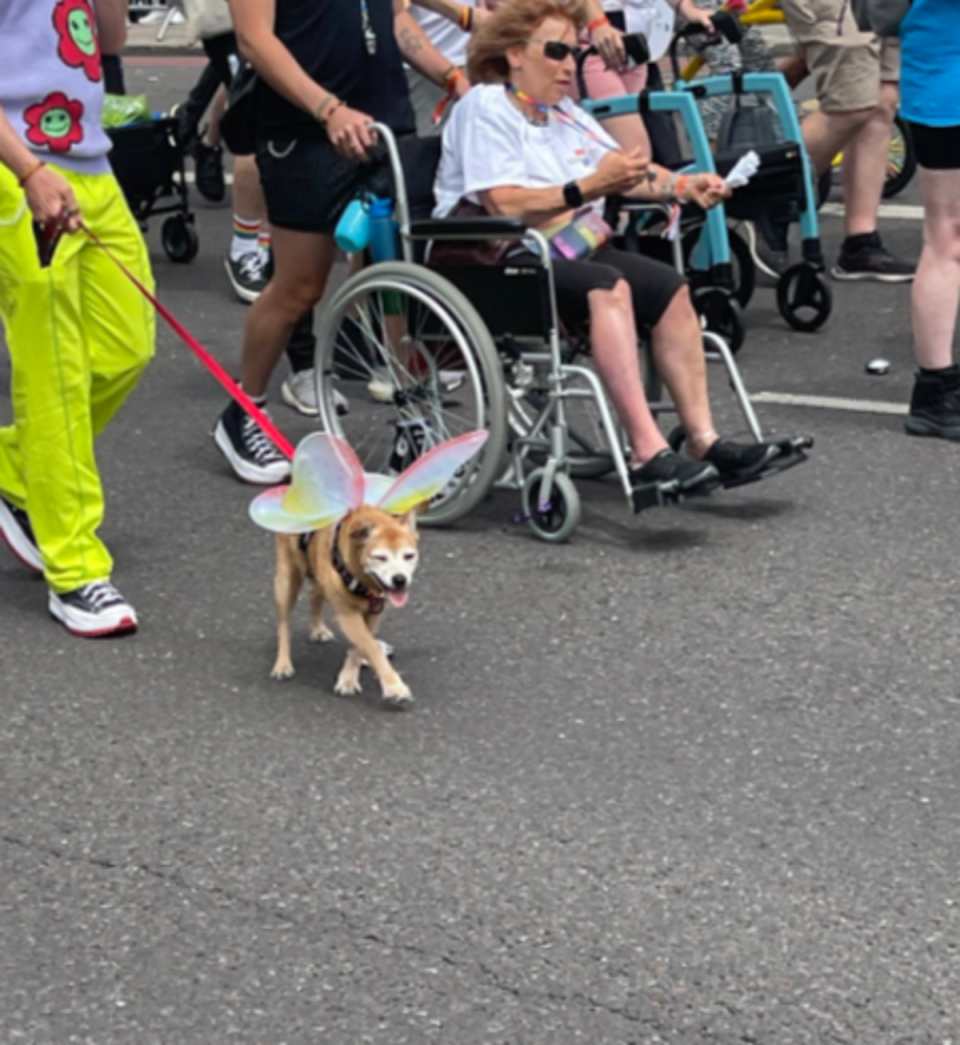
{"x": 555, "y": 517}
{"x": 417, "y": 366}
{"x": 743, "y": 268}
{"x": 720, "y": 313}
{"x": 804, "y": 298}
{"x": 179, "y": 239}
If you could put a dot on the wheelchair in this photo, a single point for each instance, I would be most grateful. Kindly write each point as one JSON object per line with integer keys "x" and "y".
{"x": 480, "y": 346}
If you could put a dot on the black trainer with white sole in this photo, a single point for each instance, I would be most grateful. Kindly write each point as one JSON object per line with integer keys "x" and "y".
{"x": 251, "y": 455}
{"x": 668, "y": 478}
{"x": 17, "y": 532}
{"x": 93, "y": 611}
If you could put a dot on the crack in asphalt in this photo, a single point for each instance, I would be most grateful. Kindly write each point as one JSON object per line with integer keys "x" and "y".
{"x": 486, "y": 971}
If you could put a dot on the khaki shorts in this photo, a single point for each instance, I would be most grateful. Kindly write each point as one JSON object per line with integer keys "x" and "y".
{"x": 848, "y": 66}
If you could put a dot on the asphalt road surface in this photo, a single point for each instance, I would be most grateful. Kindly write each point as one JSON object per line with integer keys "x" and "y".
{"x": 692, "y": 778}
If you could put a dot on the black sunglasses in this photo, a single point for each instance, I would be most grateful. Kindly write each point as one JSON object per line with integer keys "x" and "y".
{"x": 557, "y": 51}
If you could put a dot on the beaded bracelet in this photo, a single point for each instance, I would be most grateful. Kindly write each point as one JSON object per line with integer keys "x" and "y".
{"x": 29, "y": 173}
{"x": 597, "y": 22}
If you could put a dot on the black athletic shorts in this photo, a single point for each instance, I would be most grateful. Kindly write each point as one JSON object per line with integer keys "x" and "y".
{"x": 308, "y": 184}
{"x": 653, "y": 284}
{"x": 937, "y": 148}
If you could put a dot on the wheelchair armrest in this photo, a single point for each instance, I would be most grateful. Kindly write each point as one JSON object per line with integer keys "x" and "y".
{"x": 479, "y": 228}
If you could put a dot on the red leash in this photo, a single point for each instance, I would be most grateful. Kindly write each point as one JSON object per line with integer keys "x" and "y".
{"x": 233, "y": 389}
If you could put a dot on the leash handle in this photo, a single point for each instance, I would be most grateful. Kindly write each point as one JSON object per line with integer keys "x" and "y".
{"x": 246, "y": 404}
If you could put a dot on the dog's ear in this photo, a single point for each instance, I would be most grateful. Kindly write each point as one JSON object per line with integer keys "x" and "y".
{"x": 410, "y": 519}
{"x": 360, "y": 532}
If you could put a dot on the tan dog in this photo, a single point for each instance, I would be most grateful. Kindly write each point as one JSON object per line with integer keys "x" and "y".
{"x": 356, "y": 565}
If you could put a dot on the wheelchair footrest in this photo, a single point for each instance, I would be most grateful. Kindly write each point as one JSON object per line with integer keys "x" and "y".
{"x": 662, "y": 495}
{"x": 793, "y": 451}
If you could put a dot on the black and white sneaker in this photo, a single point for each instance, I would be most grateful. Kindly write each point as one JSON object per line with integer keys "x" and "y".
{"x": 410, "y": 443}
{"x": 244, "y": 444}
{"x": 247, "y": 275}
{"x": 16, "y": 530}
{"x": 208, "y": 160}
{"x": 93, "y": 611}
{"x": 866, "y": 258}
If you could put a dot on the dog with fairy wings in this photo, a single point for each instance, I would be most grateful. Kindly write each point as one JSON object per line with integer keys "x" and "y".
{"x": 354, "y": 536}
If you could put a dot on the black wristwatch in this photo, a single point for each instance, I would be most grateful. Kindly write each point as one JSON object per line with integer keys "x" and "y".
{"x": 572, "y": 195}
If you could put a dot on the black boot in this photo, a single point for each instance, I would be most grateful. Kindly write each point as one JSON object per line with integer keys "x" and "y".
{"x": 935, "y": 404}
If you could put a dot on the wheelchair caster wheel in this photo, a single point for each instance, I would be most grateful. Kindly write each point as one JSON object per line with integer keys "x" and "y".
{"x": 179, "y": 239}
{"x": 552, "y": 514}
{"x": 721, "y": 314}
{"x": 804, "y": 298}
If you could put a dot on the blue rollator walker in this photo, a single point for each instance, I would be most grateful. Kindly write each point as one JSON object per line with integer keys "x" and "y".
{"x": 718, "y": 260}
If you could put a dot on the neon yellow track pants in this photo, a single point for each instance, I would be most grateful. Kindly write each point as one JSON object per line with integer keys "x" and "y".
{"x": 79, "y": 336}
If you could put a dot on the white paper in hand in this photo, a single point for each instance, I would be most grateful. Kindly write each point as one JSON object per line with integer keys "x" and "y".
{"x": 743, "y": 170}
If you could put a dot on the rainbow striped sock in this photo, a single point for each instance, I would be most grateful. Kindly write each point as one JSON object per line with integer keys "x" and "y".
{"x": 263, "y": 243}
{"x": 245, "y": 236}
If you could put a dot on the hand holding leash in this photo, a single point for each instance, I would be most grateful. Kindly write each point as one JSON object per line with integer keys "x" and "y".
{"x": 50, "y": 198}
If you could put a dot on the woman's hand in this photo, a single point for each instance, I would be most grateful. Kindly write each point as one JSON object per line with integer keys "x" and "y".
{"x": 51, "y": 200}
{"x": 689, "y": 11}
{"x": 618, "y": 172}
{"x": 706, "y": 190}
{"x": 609, "y": 44}
{"x": 351, "y": 132}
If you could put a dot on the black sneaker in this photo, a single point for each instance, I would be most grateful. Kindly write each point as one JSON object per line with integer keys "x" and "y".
{"x": 410, "y": 443}
{"x": 935, "y": 404}
{"x": 244, "y": 444}
{"x": 208, "y": 160}
{"x": 16, "y": 530}
{"x": 736, "y": 462}
{"x": 667, "y": 477}
{"x": 866, "y": 258}
{"x": 246, "y": 275}
{"x": 93, "y": 611}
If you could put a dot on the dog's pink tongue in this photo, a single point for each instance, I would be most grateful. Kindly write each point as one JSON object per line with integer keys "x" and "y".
{"x": 398, "y": 598}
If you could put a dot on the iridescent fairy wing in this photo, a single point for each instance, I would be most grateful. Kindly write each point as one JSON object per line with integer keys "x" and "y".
{"x": 376, "y": 486}
{"x": 429, "y": 474}
{"x": 327, "y": 483}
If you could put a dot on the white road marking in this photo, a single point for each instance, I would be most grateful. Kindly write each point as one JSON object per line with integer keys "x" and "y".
{"x": 891, "y": 211}
{"x": 857, "y": 406}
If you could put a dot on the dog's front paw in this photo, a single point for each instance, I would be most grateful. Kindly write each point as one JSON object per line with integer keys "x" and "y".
{"x": 283, "y": 670}
{"x": 348, "y": 683}
{"x": 321, "y": 633}
{"x": 397, "y": 694}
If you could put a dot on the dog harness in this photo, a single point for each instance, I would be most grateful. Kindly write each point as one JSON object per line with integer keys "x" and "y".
{"x": 375, "y": 600}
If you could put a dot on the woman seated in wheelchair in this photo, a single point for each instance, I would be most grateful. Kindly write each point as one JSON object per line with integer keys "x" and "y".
{"x": 520, "y": 148}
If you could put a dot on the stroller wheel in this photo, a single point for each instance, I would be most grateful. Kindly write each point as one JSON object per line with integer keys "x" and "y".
{"x": 804, "y": 298}
{"x": 179, "y": 239}
{"x": 720, "y": 313}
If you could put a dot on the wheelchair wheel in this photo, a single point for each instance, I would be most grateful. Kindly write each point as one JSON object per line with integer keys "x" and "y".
{"x": 804, "y": 298}
{"x": 553, "y": 517}
{"x": 720, "y": 313}
{"x": 417, "y": 366}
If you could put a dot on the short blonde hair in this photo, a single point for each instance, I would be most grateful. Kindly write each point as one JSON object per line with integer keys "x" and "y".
{"x": 511, "y": 25}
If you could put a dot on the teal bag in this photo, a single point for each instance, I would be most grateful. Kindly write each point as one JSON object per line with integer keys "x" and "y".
{"x": 882, "y": 17}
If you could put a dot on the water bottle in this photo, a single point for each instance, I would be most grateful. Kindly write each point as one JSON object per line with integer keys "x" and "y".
{"x": 383, "y": 230}
{"x": 353, "y": 229}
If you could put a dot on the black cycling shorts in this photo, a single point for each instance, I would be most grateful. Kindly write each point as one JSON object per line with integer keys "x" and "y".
{"x": 937, "y": 148}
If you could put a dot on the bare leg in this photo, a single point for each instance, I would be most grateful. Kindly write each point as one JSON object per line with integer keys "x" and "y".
{"x": 681, "y": 363}
{"x": 826, "y": 134}
{"x": 248, "y": 199}
{"x": 629, "y": 132}
{"x": 865, "y": 164}
{"x": 936, "y": 289}
{"x": 613, "y": 338}
{"x": 302, "y": 263}
{"x": 211, "y": 136}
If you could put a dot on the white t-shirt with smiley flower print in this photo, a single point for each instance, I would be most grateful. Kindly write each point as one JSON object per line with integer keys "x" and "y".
{"x": 488, "y": 143}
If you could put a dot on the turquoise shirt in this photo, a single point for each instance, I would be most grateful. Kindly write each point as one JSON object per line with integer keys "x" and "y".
{"x": 930, "y": 69}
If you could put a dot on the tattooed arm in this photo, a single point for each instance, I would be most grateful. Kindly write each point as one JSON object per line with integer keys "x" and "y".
{"x": 416, "y": 48}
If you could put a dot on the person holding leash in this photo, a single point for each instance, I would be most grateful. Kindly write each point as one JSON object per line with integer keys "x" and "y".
{"x": 78, "y": 332}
